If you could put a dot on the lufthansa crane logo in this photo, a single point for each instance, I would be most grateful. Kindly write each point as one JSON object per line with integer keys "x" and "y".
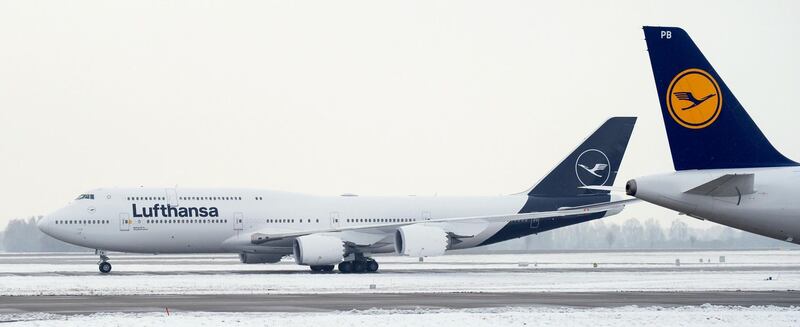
{"x": 693, "y": 99}
{"x": 593, "y": 168}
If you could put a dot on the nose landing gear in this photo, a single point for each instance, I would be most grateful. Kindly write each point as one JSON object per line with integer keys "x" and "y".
{"x": 104, "y": 266}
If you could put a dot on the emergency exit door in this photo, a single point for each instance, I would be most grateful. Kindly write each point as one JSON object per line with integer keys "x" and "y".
{"x": 124, "y": 222}
{"x": 238, "y": 221}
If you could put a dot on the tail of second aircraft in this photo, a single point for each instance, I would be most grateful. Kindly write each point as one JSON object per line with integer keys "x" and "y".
{"x": 706, "y": 126}
{"x": 591, "y": 166}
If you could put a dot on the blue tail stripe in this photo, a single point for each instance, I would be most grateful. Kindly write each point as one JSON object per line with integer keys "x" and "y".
{"x": 725, "y": 138}
{"x": 594, "y": 163}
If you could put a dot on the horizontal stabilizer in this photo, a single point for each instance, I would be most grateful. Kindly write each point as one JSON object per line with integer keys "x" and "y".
{"x": 727, "y": 185}
{"x": 602, "y": 205}
{"x": 605, "y": 188}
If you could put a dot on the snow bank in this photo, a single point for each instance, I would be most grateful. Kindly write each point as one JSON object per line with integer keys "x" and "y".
{"x": 706, "y": 315}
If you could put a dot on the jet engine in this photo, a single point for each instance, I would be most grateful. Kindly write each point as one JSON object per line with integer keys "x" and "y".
{"x": 420, "y": 241}
{"x": 259, "y": 258}
{"x": 315, "y": 250}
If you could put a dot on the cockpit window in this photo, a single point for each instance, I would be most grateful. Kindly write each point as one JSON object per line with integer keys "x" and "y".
{"x": 85, "y": 196}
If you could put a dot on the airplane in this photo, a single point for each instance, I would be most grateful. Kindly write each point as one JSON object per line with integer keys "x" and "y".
{"x": 264, "y": 226}
{"x": 726, "y": 169}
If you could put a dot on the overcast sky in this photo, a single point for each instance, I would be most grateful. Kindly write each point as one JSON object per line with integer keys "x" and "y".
{"x": 367, "y": 97}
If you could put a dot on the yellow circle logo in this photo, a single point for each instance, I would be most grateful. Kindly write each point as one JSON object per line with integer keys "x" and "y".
{"x": 694, "y": 99}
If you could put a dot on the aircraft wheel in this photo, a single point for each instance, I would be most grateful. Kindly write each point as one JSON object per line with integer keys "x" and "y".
{"x": 346, "y": 267}
{"x": 372, "y": 266}
{"x": 316, "y": 268}
{"x": 105, "y": 267}
{"x": 359, "y": 267}
{"x": 328, "y": 268}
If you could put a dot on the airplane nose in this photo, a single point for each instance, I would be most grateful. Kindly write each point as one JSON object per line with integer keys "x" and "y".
{"x": 44, "y": 225}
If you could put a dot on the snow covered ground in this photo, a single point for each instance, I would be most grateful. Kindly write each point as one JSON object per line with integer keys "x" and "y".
{"x": 501, "y": 281}
{"x": 76, "y": 274}
{"x": 705, "y": 315}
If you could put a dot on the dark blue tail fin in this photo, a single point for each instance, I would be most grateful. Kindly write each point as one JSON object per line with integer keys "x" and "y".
{"x": 594, "y": 163}
{"x": 706, "y": 126}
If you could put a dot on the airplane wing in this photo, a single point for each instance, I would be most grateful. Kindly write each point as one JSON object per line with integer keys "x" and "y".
{"x": 259, "y": 238}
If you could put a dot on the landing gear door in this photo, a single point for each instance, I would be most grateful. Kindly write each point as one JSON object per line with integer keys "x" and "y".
{"x": 124, "y": 222}
{"x": 172, "y": 197}
{"x": 238, "y": 221}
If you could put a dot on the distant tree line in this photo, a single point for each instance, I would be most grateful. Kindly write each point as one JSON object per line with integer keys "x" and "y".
{"x": 633, "y": 234}
{"x": 22, "y": 235}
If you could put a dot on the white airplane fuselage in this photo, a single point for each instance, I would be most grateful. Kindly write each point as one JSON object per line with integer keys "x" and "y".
{"x": 773, "y": 209}
{"x": 321, "y": 231}
{"x": 158, "y": 220}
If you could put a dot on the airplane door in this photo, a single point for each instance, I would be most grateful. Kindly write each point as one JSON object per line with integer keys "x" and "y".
{"x": 238, "y": 221}
{"x": 426, "y": 215}
{"x": 172, "y": 197}
{"x": 124, "y": 222}
{"x": 334, "y": 219}
{"x": 535, "y": 223}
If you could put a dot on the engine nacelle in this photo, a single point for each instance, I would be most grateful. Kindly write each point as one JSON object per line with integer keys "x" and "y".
{"x": 420, "y": 241}
{"x": 314, "y": 250}
{"x": 259, "y": 258}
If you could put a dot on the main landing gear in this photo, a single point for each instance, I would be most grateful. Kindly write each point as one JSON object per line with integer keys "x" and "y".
{"x": 360, "y": 265}
{"x": 104, "y": 266}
